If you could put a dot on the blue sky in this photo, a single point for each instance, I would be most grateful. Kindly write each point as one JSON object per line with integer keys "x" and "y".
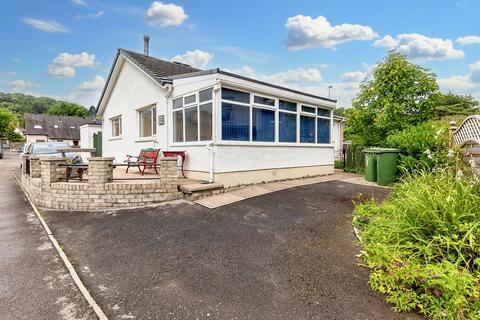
{"x": 64, "y": 48}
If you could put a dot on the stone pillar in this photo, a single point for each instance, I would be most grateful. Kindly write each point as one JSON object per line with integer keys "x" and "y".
{"x": 35, "y": 167}
{"x": 168, "y": 169}
{"x": 50, "y": 172}
{"x": 24, "y": 164}
{"x": 100, "y": 170}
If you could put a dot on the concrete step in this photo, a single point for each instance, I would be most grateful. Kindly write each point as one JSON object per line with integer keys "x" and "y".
{"x": 199, "y": 187}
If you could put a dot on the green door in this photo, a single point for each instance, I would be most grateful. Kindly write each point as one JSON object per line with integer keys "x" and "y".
{"x": 97, "y": 143}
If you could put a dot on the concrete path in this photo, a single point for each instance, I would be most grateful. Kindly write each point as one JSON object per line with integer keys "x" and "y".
{"x": 265, "y": 188}
{"x": 34, "y": 284}
{"x": 289, "y": 254}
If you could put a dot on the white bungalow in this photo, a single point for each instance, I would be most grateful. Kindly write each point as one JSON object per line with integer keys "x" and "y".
{"x": 234, "y": 130}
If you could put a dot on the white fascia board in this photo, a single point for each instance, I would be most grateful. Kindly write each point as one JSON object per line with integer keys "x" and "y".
{"x": 241, "y": 84}
{"x": 113, "y": 79}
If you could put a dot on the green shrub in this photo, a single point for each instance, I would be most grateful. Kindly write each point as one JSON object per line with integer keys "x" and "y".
{"x": 423, "y": 244}
{"x": 423, "y": 147}
{"x": 339, "y": 164}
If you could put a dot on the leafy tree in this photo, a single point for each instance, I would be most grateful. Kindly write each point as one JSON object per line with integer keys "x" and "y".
{"x": 451, "y": 104}
{"x": 68, "y": 109}
{"x": 7, "y": 122}
{"x": 399, "y": 95}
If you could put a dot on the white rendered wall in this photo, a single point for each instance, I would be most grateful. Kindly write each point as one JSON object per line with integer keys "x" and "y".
{"x": 133, "y": 90}
{"x": 244, "y": 158}
{"x": 86, "y": 135}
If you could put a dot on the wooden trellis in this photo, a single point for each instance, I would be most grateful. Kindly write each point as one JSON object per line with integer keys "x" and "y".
{"x": 467, "y": 136}
{"x": 467, "y": 132}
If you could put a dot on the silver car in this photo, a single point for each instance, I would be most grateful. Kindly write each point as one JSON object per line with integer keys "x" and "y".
{"x": 50, "y": 149}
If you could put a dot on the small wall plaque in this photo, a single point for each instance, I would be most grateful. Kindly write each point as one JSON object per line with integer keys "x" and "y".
{"x": 161, "y": 120}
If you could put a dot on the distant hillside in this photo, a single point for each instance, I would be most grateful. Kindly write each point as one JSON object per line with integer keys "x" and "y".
{"x": 20, "y": 103}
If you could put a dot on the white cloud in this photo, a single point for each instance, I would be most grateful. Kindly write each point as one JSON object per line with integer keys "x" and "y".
{"x": 305, "y": 32}
{"x": 475, "y": 66}
{"x": 196, "y": 58}
{"x": 420, "y": 47}
{"x": 165, "y": 14}
{"x": 47, "y": 26}
{"x": 12, "y": 73}
{"x": 65, "y": 63}
{"x": 354, "y": 76}
{"x": 463, "y": 84}
{"x": 456, "y": 83}
{"x": 93, "y": 15}
{"x": 286, "y": 78}
{"x": 95, "y": 85}
{"x": 468, "y": 40}
{"x": 80, "y": 3}
{"x": 22, "y": 85}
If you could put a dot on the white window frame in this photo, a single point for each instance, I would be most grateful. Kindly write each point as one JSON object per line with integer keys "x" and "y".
{"x": 197, "y": 105}
{"x": 120, "y": 126}
{"x": 153, "y": 125}
{"x": 277, "y": 110}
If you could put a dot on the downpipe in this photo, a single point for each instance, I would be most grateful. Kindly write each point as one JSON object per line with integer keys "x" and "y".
{"x": 210, "y": 148}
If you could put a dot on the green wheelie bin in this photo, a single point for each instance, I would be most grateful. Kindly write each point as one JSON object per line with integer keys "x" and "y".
{"x": 387, "y": 165}
{"x": 371, "y": 164}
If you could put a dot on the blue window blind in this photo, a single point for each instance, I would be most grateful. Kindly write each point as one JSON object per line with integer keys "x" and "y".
{"x": 235, "y": 122}
{"x": 323, "y": 130}
{"x": 263, "y": 125}
{"x": 234, "y": 95}
{"x": 287, "y": 127}
{"x": 307, "y": 129}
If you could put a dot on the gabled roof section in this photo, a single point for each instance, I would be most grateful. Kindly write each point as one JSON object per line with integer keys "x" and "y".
{"x": 55, "y": 127}
{"x": 157, "y": 68}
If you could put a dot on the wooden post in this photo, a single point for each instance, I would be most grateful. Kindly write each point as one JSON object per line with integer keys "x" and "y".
{"x": 451, "y": 130}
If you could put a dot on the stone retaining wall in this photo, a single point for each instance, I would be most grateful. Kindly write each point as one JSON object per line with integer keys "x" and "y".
{"x": 44, "y": 187}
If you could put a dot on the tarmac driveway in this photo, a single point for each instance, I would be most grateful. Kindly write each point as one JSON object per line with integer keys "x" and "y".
{"x": 286, "y": 255}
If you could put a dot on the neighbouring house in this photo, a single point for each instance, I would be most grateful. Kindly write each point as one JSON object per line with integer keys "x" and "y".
{"x": 90, "y": 136}
{"x": 234, "y": 129}
{"x": 44, "y": 128}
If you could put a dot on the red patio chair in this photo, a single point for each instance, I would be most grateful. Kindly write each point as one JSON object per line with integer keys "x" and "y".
{"x": 146, "y": 159}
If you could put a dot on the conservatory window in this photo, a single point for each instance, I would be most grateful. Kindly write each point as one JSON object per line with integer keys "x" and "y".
{"x": 307, "y": 129}
{"x": 263, "y": 125}
{"x": 178, "y": 126}
{"x": 287, "y": 105}
{"x": 205, "y": 121}
{"x": 287, "y": 126}
{"x": 191, "y": 124}
{"x": 308, "y": 109}
{"x": 191, "y": 121}
{"x": 234, "y": 95}
{"x": 323, "y": 130}
{"x": 264, "y": 101}
{"x": 235, "y": 122}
